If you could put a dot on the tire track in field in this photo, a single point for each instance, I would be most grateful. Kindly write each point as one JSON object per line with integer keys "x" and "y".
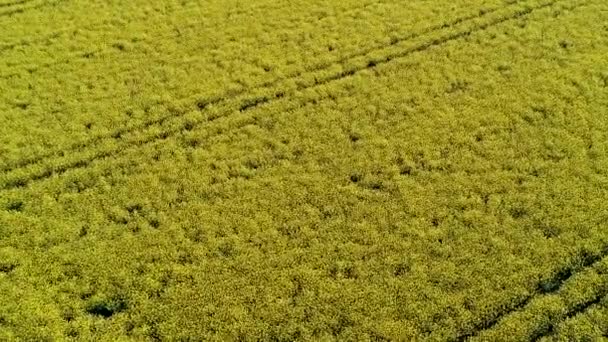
{"x": 203, "y": 104}
{"x": 11, "y": 12}
{"x": 558, "y": 280}
{"x": 85, "y": 55}
{"x": 248, "y": 104}
{"x": 580, "y": 309}
{"x": 240, "y": 124}
{"x": 14, "y": 3}
{"x": 547, "y": 287}
{"x": 82, "y": 54}
{"x": 10, "y": 46}
{"x": 562, "y": 276}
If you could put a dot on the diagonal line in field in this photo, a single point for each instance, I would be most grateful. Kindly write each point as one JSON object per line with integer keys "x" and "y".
{"x": 38, "y": 175}
{"x": 248, "y": 105}
{"x": 80, "y": 146}
{"x": 558, "y": 281}
{"x": 11, "y": 12}
{"x": 582, "y": 308}
{"x": 14, "y": 3}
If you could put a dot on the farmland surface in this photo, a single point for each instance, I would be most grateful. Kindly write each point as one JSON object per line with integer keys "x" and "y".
{"x": 344, "y": 170}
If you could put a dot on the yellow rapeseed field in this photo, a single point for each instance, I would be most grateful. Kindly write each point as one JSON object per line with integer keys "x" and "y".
{"x": 312, "y": 170}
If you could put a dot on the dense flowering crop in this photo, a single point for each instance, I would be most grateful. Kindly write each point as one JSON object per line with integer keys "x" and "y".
{"x": 304, "y": 170}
